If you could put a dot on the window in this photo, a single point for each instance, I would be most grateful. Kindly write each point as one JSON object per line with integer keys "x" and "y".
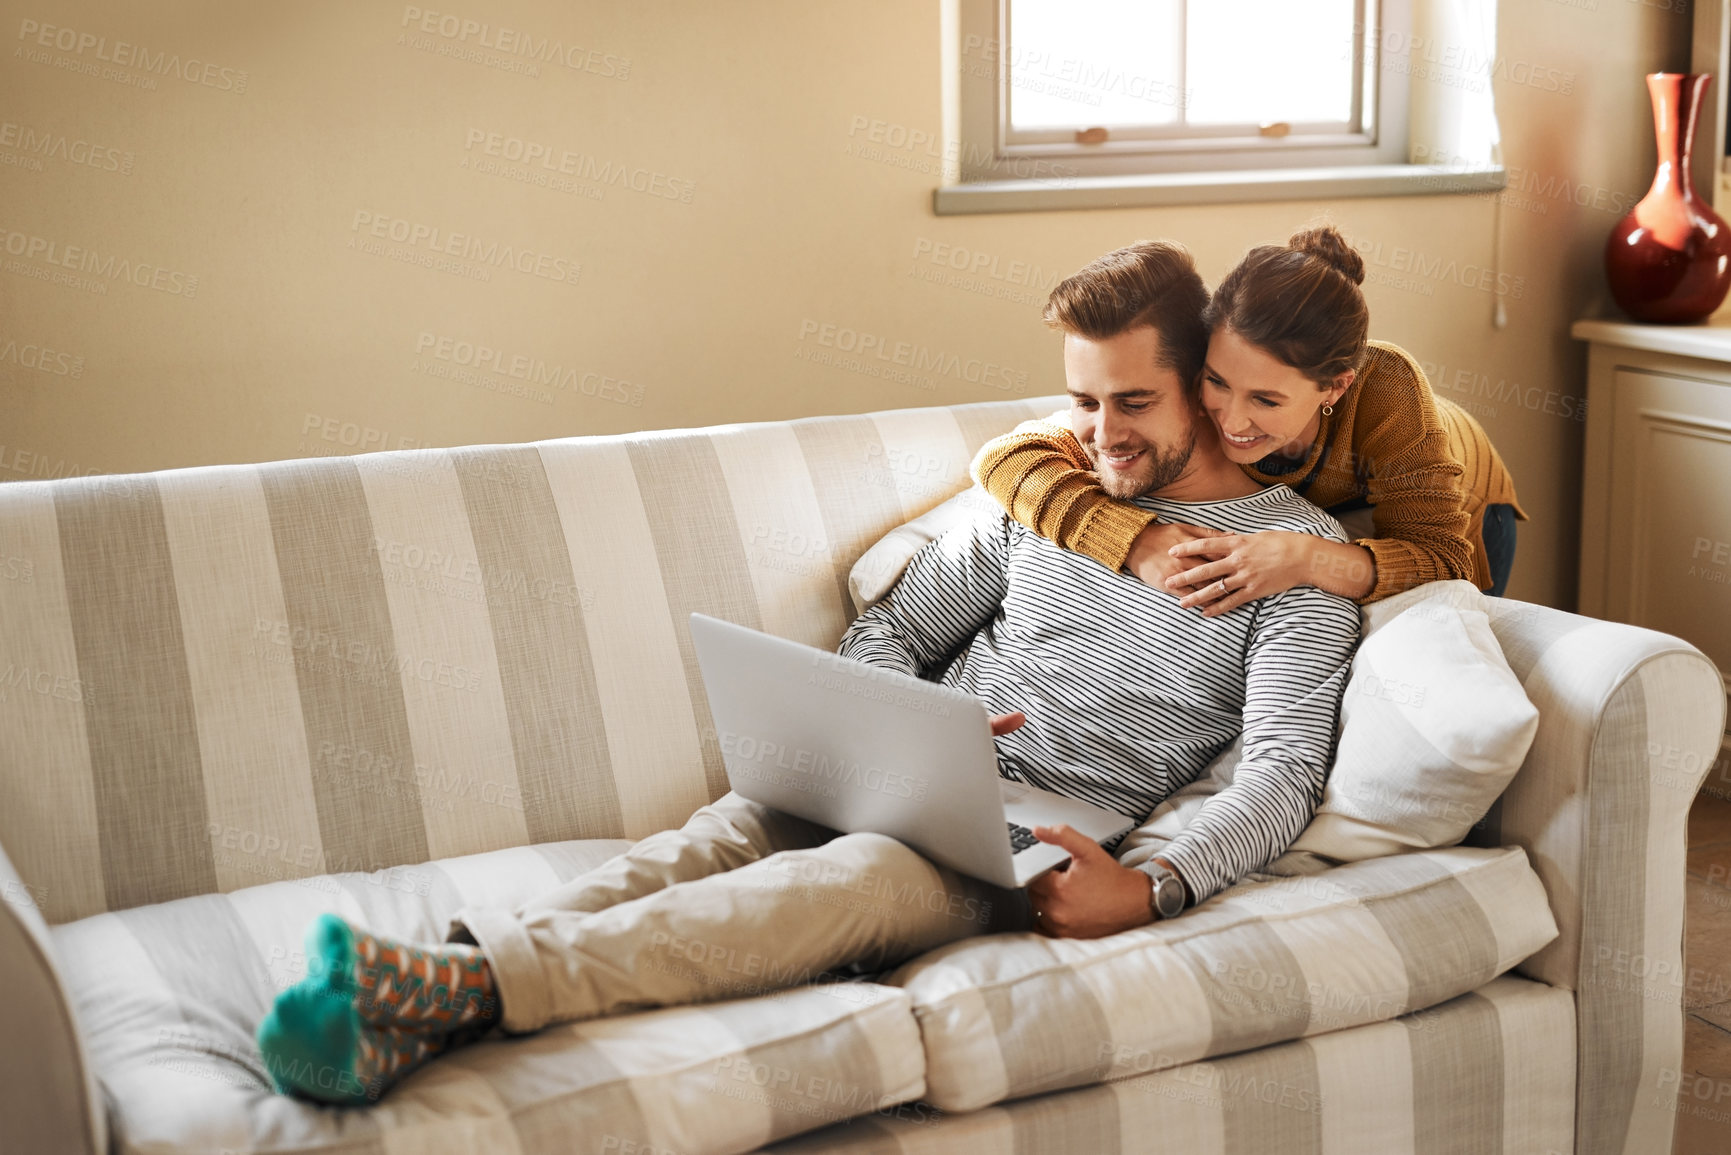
{"x": 1163, "y": 83}
{"x": 1096, "y": 102}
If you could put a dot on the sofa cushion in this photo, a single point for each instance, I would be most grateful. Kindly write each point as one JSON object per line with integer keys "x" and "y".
{"x": 1493, "y": 1070}
{"x": 1434, "y": 726}
{"x": 1264, "y": 962}
{"x": 169, "y": 996}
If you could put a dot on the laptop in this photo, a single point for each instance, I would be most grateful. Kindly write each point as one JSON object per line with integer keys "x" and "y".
{"x": 858, "y": 747}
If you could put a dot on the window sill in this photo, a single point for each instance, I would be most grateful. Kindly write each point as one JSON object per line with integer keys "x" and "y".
{"x": 1188, "y": 188}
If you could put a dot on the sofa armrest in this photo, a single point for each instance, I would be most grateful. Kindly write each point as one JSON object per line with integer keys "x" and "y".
{"x": 49, "y": 1100}
{"x": 1630, "y": 720}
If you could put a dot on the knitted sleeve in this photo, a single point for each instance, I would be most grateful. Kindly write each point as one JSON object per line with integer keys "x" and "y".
{"x": 1413, "y": 481}
{"x": 1040, "y": 475}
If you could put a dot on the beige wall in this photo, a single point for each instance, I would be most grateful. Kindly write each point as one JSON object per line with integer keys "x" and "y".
{"x": 256, "y": 317}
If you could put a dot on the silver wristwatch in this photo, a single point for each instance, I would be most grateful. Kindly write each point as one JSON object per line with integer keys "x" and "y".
{"x": 1167, "y": 897}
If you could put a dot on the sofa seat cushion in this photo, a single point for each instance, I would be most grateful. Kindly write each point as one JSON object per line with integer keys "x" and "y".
{"x": 1493, "y": 1070}
{"x": 1264, "y": 962}
{"x": 169, "y": 995}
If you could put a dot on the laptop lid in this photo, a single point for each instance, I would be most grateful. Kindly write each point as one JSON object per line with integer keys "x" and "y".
{"x": 856, "y": 747}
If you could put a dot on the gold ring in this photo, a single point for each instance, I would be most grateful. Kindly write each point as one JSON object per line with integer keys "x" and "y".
{"x": 1222, "y": 585}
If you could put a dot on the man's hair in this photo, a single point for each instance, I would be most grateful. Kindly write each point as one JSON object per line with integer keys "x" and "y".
{"x": 1148, "y": 283}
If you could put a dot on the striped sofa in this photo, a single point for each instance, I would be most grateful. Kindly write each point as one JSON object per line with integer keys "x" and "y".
{"x": 395, "y": 684}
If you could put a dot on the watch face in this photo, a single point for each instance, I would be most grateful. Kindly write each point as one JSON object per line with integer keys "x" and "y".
{"x": 1169, "y": 897}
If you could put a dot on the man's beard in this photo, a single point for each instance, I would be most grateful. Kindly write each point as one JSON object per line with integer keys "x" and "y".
{"x": 1159, "y": 468}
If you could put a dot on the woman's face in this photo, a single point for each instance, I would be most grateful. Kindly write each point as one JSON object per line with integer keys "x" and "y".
{"x": 1259, "y": 405}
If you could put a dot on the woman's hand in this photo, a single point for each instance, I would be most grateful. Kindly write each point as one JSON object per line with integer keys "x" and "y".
{"x": 1241, "y": 567}
{"x": 1150, "y": 560}
{"x": 1238, "y": 568}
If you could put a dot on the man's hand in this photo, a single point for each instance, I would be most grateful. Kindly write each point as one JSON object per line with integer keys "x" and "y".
{"x": 1091, "y": 896}
{"x": 1150, "y": 560}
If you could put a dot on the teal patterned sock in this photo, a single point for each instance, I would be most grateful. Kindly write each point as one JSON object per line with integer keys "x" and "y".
{"x": 346, "y": 1062}
{"x": 350, "y": 1030}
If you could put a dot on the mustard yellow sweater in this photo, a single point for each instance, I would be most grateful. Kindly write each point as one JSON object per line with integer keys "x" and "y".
{"x": 1421, "y": 462}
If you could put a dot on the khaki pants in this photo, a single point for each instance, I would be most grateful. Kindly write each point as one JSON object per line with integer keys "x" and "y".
{"x": 739, "y": 901}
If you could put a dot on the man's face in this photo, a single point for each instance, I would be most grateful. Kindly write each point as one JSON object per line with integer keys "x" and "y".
{"x": 1131, "y": 414}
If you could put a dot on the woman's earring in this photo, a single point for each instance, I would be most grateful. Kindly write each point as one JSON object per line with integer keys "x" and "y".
{"x": 1328, "y": 411}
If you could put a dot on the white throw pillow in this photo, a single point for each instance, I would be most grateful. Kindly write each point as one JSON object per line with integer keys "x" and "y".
{"x": 1433, "y": 727}
{"x": 881, "y": 566}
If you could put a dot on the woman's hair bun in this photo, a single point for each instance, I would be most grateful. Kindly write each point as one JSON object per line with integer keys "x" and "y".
{"x": 1327, "y": 243}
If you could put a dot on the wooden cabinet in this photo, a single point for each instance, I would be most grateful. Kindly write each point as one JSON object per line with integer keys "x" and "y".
{"x": 1656, "y": 500}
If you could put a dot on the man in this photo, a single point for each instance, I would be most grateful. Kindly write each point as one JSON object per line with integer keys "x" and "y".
{"x": 1102, "y": 688}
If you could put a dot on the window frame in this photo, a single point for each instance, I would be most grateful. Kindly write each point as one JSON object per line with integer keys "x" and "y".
{"x": 990, "y": 169}
{"x": 1185, "y": 148}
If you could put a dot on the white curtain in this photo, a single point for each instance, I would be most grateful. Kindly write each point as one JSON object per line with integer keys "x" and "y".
{"x": 1451, "y": 60}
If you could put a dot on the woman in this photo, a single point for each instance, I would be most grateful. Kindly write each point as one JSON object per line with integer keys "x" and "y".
{"x": 1299, "y": 396}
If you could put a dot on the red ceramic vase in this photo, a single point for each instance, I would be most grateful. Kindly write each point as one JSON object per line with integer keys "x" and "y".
{"x": 1669, "y": 260}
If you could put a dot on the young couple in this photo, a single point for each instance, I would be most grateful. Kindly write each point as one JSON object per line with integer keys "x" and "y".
{"x": 1297, "y": 395}
{"x": 1101, "y": 684}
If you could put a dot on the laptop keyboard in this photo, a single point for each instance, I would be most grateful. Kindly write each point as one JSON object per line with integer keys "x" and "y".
{"x": 1020, "y": 838}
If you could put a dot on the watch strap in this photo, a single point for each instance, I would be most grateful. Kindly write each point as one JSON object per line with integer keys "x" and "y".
{"x": 1168, "y": 883}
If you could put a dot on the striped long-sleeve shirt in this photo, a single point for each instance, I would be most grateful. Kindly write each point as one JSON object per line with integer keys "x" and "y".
{"x": 1127, "y": 696}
